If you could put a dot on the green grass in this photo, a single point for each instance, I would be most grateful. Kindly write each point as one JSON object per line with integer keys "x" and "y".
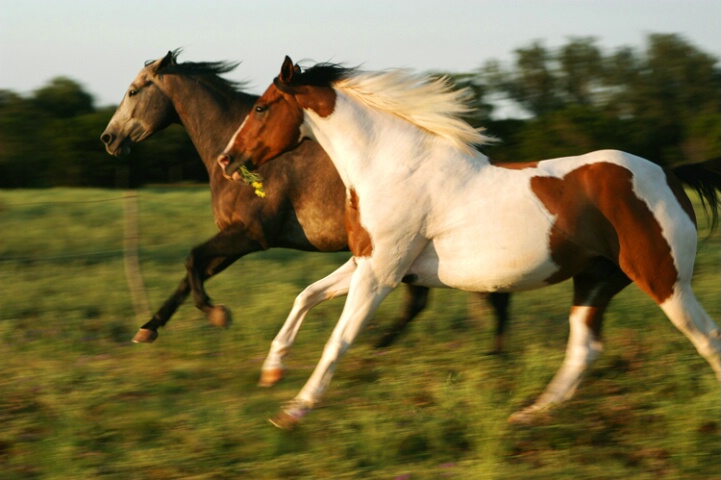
{"x": 79, "y": 401}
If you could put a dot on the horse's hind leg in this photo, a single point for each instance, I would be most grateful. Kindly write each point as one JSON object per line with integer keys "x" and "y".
{"x": 593, "y": 290}
{"x": 687, "y": 314}
{"x": 416, "y": 299}
{"x": 500, "y": 302}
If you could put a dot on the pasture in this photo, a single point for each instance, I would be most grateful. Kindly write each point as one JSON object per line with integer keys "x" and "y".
{"x": 79, "y": 401}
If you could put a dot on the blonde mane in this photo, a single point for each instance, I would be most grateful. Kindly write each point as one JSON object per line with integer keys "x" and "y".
{"x": 428, "y": 103}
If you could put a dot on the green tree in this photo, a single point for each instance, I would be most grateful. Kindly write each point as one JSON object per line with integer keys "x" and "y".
{"x": 661, "y": 103}
{"x": 581, "y": 71}
{"x": 533, "y": 83}
{"x": 52, "y": 138}
{"x": 78, "y": 156}
{"x": 23, "y": 157}
{"x": 35, "y": 133}
{"x": 675, "y": 84}
{"x": 63, "y": 98}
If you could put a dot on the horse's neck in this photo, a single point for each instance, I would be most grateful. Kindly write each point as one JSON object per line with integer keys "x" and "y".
{"x": 344, "y": 136}
{"x": 209, "y": 121}
{"x": 368, "y": 146}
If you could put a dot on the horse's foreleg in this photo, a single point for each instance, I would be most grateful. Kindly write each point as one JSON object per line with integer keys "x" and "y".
{"x": 333, "y": 285}
{"x": 148, "y": 332}
{"x": 204, "y": 261}
{"x": 365, "y": 294}
{"x": 213, "y": 257}
{"x": 198, "y": 273}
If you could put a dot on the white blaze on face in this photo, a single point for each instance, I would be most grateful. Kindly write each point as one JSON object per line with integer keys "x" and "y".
{"x": 237, "y": 132}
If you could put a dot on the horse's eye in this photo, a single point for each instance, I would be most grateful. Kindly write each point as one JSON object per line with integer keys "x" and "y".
{"x": 260, "y": 109}
{"x": 132, "y": 93}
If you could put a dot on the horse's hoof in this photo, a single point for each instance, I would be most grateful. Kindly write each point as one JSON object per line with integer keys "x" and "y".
{"x": 145, "y": 335}
{"x": 284, "y": 421}
{"x": 268, "y": 378}
{"x": 520, "y": 418}
{"x": 289, "y": 418}
{"x": 529, "y": 416}
{"x": 220, "y": 316}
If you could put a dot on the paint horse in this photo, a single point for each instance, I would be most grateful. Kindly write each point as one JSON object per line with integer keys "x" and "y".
{"x": 299, "y": 211}
{"x": 426, "y": 208}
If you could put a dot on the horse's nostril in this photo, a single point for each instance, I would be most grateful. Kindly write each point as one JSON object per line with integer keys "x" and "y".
{"x": 107, "y": 138}
{"x": 224, "y": 159}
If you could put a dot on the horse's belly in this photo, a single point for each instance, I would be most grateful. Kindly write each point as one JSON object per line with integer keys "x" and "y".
{"x": 519, "y": 264}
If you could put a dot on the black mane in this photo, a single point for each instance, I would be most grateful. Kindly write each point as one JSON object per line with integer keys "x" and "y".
{"x": 322, "y": 75}
{"x": 210, "y": 71}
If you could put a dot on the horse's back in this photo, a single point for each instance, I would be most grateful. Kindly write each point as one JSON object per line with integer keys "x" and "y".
{"x": 526, "y": 227}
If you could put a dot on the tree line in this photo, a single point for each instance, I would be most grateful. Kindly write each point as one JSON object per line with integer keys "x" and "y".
{"x": 662, "y": 102}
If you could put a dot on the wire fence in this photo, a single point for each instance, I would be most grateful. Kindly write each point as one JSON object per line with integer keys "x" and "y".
{"x": 8, "y": 255}
{"x": 41, "y": 231}
{"x": 57, "y": 234}
{"x": 131, "y": 239}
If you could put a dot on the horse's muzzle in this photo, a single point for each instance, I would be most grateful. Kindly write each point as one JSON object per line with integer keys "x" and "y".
{"x": 231, "y": 165}
{"x": 115, "y": 145}
{"x": 116, "y": 149}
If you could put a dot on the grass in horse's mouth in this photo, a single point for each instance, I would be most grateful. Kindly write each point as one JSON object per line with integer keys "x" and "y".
{"x": 253, "y": 179}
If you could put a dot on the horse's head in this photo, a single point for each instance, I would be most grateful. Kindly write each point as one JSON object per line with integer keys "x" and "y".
{"x": 273, "y": 127}
{"x": 144, "y": 110}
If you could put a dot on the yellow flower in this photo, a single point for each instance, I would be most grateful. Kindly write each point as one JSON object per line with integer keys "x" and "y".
{"x": 254, "y": 180}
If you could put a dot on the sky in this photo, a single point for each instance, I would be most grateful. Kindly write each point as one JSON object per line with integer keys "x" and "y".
{"x": 102, "y": 44}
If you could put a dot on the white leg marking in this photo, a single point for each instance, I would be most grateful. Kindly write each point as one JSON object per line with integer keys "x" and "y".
{"x": 583, "y": 348}
{"x": 687, "y": 314}
{"x": 364, "y": 296}
{"x": 333, "y": 285}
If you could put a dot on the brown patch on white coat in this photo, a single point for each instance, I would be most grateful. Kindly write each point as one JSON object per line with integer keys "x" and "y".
{"x": 359, "y": 240}
{"x": 592, "y": 204}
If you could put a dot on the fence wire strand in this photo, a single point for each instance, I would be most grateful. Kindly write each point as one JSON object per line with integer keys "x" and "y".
{"x": 130, "y": 250}
{"x": 131, "y": 260}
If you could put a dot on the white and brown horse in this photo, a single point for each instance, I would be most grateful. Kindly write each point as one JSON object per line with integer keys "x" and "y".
{"x": 426, "y": 208}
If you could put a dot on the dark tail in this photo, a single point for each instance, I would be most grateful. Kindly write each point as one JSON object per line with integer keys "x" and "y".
{"x": 705, "y": 178}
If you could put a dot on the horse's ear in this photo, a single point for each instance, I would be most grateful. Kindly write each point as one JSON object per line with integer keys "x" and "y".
{"x": 165, "y": 61}
{"x": 287, "y": 71}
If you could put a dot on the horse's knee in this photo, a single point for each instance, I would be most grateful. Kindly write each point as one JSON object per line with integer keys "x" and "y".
{"x": 310, "y": 297}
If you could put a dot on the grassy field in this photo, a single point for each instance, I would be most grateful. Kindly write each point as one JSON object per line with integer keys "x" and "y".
{"x": 79, "y": 401}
